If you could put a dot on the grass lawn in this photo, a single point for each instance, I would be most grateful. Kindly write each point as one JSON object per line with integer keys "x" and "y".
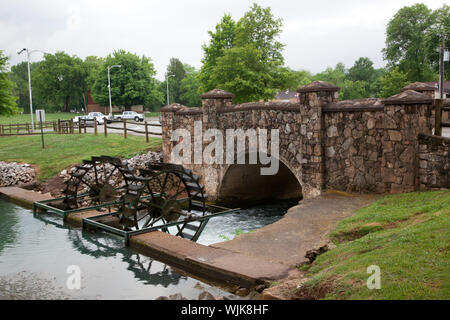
{"x": 406, "y": 235}
{"x": 152, "y": 114}
{"x": 61, "y": 151}
{"x": 25, "y": 118}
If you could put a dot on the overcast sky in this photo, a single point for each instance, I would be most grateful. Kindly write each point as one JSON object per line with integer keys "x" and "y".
{"x": 316, "y": 33}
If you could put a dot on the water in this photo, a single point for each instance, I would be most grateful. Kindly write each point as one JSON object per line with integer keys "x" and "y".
{"x": 35, "y": 253}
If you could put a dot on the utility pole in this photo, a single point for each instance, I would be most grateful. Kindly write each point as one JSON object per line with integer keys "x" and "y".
{"x": 441, "y": 68}
{"x": 109, "y": 88}
{"x": 167, "y": 85}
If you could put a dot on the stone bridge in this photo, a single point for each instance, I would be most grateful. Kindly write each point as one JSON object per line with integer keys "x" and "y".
{"x": 366, "y": 145}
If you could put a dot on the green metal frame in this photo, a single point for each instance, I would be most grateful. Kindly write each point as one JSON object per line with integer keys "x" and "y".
{"x": 128, "y": 234}
{"x": 44, "y": 204}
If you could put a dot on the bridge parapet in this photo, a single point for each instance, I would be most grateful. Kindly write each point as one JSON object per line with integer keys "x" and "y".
{"x": 365, "y": 145}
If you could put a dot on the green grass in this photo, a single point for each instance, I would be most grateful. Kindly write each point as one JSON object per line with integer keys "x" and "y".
{"x": 407, "y": 236}
{"x": 61, "y": 151}
{"x": 152, "y": 114}
{"x": 25, "y": 118}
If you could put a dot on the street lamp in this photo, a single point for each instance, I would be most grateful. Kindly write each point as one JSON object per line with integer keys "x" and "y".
{"x": 29, "y": 80}
{"x": 109, "y": 87}
{"x": 167, "y": 83}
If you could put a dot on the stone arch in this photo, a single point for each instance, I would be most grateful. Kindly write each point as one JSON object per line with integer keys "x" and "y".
{"x": 243, "y": 183}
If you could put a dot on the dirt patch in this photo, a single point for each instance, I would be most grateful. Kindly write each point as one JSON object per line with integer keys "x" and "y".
{"x": 315, "y": 292}
{"x": 54, "y": 186}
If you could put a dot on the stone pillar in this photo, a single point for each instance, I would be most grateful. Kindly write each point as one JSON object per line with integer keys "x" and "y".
{"x": 312, "y": 98}
{"x": 212, "y": 102}
{"x": 167, "y": 119}
{"x": 427, "y": 114}
{"x": 403, "y": 121}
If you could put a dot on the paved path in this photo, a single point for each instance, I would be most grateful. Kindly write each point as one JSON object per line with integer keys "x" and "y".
{"x": 304, "y": 227}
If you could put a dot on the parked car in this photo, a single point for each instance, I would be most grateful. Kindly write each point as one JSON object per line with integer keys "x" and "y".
{"x": 99, "y": 117}
{"x": 130, "y": 115}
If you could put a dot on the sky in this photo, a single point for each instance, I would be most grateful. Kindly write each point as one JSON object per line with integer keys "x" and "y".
{"x": 316, "y": 34}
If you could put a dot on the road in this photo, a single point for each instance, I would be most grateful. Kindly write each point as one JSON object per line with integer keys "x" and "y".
{"x": 133, "y": 126}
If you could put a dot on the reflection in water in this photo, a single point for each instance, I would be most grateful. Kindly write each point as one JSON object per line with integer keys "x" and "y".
{"x": 100, "y": 244}
{"x": 35, "y": 253}
{"x": 8, "y": 222}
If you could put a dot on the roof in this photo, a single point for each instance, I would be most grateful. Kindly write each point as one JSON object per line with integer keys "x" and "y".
{"x": 286, "y": 95}
{"x": 435, "y": 84}
{"x": 419, "y": 86}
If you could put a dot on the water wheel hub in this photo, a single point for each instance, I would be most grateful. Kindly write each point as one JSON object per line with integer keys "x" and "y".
{"x": 171, "y": 210}
{"x": 107, "y": 193}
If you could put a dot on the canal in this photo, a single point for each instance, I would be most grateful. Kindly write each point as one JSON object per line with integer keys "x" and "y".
{"x": 38, "y": 256}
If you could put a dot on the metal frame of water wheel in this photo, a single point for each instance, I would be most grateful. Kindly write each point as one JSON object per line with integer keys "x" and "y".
{"x": 161, "y": 206}
{"x": 100, "y": 192}
{"x": 139, "y": 200}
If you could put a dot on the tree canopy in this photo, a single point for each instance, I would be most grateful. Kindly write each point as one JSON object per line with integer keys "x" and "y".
{"x": 131, "y": 84}
{"x": 412, "y": 37}
{"x": 245, "y": 57}
{"x": 8, "y": 104}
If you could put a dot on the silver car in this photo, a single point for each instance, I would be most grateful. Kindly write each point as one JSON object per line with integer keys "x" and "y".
{"x": 130, "y": 115}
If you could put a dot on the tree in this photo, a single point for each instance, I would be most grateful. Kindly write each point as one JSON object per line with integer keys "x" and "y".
{"x": 433, "y": 38}
{"x": 406, "y": 36}
{"x": 336, "y": 75}
{"x": 241, "y": 71}
{"x": 392, "y": 82}
{"x": 60, "y": 80}
{"x": 353, "y": 90}
{"x": 132, "y": 84}
{"x": 175, "y": 74}
{"x": 245, "y": 57}
{"x": 259, "y": 27}
{"x": 190, "y": 88}
{"x": 362, "y": 70}
{"x": 8, "y": 104}
{"x": 223, "y": 38}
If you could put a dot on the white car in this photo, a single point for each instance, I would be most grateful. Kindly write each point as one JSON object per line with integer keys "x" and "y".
{"x": 130, "y": 115}
{"x": 99, "y": 118}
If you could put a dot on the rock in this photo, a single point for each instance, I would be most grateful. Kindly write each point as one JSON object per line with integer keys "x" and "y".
{"x": 162, "y": 298}
{"x": 176, "y": 296}
{"x": 242, "y": 292}
{"x": 205, "y": 295}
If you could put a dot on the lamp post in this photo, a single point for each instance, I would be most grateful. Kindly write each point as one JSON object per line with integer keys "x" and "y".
{"x": 29, "y": 80}
{"x": 167, "y": 84}
{"x": 109, "y": 87}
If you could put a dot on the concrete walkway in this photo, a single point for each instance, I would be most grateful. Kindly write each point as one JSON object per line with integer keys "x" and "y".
{"x": 250, "y": 259}
{"x": 303, "y": 228}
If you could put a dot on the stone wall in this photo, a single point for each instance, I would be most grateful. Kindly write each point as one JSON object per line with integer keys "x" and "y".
{"x": 353, "y": 150}
{"x": 365, "y": 145}
{"x": 434, "y": 162}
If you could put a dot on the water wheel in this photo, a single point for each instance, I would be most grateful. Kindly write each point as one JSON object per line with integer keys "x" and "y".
{"x": 161, "y": 194}
{"x": 99, "y": 180}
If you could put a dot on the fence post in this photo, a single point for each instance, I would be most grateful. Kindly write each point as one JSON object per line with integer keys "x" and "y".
{"x": 146, "y": 132}
{"x": 95, "y": 125}
{"x": 125, "y": 128}
{"x": 79, "y": 126}
{"x": 438, "y": 117}
{"x": 59, "y": 126}
{"x": 71, "y": 126}
{"x": 27, "y": 127}
{"x": 104, "y": 125}
{"x": 84, "y": 125}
